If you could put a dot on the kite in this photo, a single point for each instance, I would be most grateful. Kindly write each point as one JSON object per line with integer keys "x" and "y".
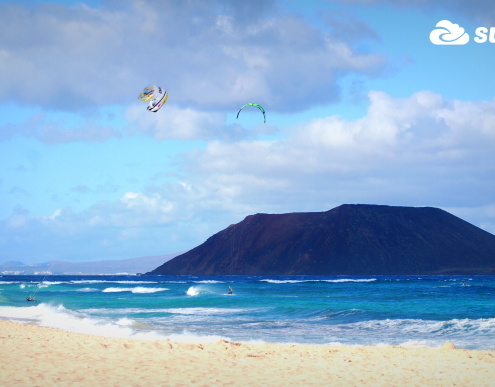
{"x": 256, "y": 105}
{"x": 156, "y": 95}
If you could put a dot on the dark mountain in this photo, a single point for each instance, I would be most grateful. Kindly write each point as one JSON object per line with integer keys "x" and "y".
{"x": 349, "y": 239}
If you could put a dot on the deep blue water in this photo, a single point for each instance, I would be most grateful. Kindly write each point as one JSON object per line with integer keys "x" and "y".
{"x": 373, "y": 310}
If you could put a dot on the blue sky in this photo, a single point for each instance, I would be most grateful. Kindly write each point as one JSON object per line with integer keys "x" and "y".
{"x": 361, "y": 108}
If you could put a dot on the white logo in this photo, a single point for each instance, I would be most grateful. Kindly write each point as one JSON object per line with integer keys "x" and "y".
{"x": 483, "y": 34}
{"x": 448, "y": 33}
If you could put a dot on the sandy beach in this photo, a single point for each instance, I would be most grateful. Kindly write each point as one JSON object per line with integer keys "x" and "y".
{"x": 37, "y": 356}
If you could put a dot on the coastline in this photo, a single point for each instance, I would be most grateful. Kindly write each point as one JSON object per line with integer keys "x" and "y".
{"x": 33, "y": 355}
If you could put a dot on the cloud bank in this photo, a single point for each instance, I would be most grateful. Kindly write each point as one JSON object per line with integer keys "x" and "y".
{"x": 418, "y": 150}
{"x": 207, "y": 55}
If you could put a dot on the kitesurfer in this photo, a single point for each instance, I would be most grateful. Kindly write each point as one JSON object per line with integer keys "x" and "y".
{"x": 30, "y": 299}
{"x": 230, "y": 290}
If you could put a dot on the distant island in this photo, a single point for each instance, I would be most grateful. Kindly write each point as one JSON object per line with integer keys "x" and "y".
{"x": 352, "y": 239}
{"x": 130, "y": 266}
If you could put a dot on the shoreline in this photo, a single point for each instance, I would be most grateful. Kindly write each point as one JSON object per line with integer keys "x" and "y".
{"x": 33, "y": 355}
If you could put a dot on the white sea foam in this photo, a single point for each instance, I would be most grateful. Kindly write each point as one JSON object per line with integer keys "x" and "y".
{"x": 205, "y": 311}
{"x": 59, "y": 317}
{"x": 193, "y": 311}
{"x": 121, "y": 311}
{"x": 126, "y": 322}
{"x": 87, "y": 290}
{"x": 192, "y": 291}
{"x": 410, "y": 326}
{"x": 138, "y": 289}
{"x": 351, "y": 280}
{"x": 198, "y": 290}
{"x": 188, "y": 337}
{"x": 464, "y": 333}
{"x": 111, "y": 282}
{"x": 273, "y": 281}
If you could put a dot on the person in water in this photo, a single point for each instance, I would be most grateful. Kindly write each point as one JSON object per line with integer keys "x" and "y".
{"x": 30, "y": 299}
{"x": 230, "y": 289}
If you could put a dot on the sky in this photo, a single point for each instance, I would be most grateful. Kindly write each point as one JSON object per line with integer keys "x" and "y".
{"x": 363, "y": 106}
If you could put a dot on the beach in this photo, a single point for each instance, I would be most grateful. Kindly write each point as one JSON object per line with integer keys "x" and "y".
{"x": 39, "y": 356}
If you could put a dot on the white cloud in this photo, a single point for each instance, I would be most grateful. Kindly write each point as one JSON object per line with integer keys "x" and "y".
{"x": 421, "y": 150}
{"x": 208, "y": 55}
{"x": 174, "y": 122}
{"x": 411, "y": 150}
{"x": 152, "y": 204}
{"x": 134, "y": 225}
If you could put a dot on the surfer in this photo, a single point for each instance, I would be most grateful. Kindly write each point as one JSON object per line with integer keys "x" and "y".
{"x": 230, "y": 290}
{"x": 30, "y": 299}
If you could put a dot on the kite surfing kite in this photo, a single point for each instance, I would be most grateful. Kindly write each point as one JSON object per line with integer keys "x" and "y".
{"x": 156, "y": 97}
{"x": 255, "y": 105}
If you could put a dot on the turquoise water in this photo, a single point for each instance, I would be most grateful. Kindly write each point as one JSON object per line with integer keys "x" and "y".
{"x": 372, "y": 310}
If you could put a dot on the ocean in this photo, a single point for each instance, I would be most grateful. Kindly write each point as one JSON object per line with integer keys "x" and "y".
{"x": 412, "y": 311}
